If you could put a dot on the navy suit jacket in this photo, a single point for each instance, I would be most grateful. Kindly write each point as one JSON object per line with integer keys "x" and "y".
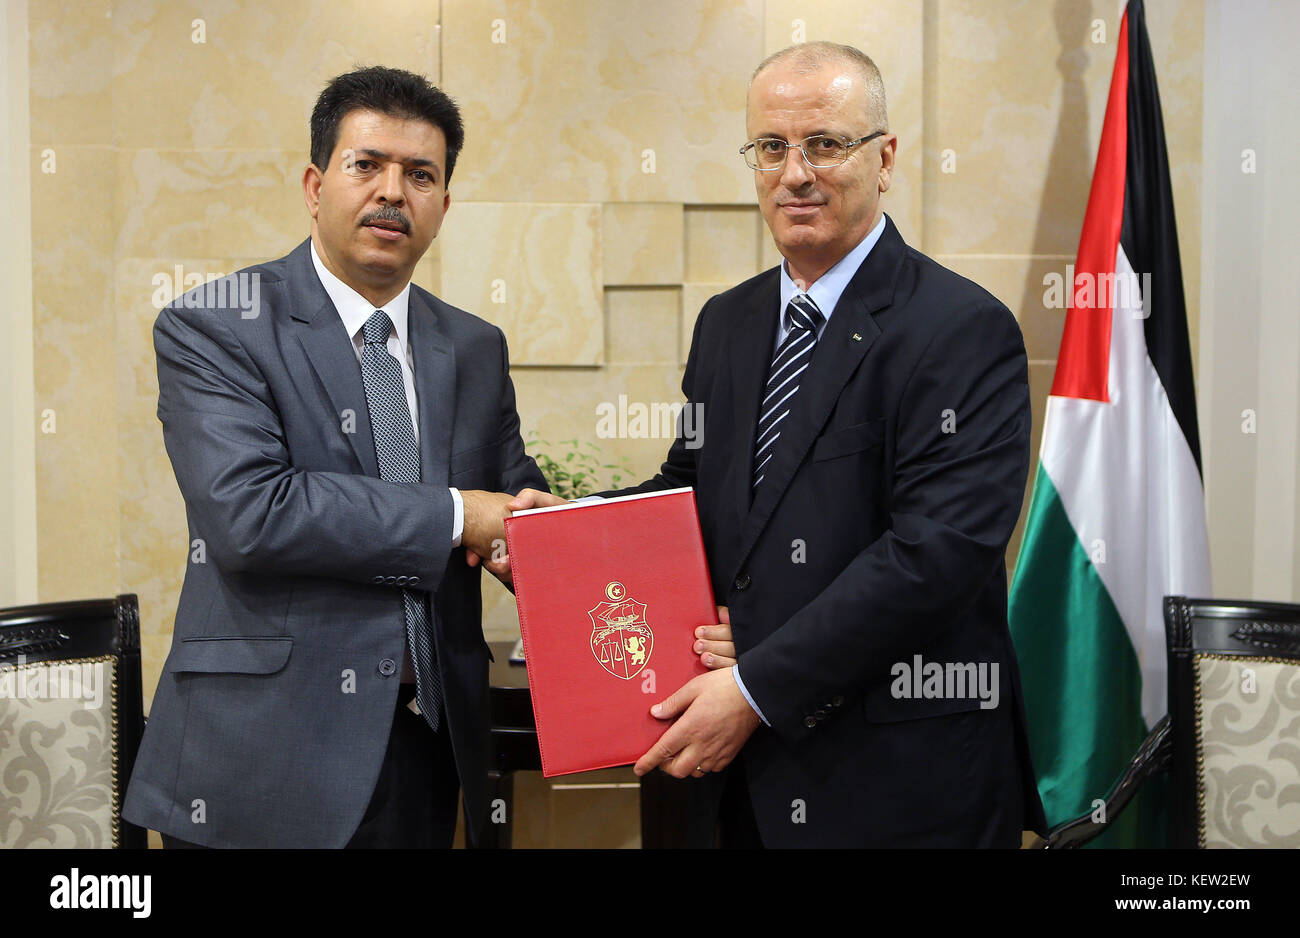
{"x": 878, "y": 535}
{"x": 273, "y": 711}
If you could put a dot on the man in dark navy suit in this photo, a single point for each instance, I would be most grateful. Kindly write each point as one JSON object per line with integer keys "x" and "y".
{"x": 866, "y": 430}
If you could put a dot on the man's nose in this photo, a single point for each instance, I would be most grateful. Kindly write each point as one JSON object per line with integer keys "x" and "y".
{"x": 392, "y": 183}
{"x": 796, "y": 172}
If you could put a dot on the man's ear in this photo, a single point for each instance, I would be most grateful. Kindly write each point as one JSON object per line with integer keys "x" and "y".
{"x": 446, "y": 204}
{"x": 311, "y": 181}
{"x": 888, "y": 150}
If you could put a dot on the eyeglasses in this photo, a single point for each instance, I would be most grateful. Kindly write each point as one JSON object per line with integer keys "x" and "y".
{"x": 767, "y": 154}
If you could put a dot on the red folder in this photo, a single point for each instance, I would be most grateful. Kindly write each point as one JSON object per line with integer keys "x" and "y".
{"x": 610, "y": 594}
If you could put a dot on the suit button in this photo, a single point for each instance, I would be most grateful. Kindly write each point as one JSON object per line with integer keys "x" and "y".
{"x": 413, "y": 580}
{"x": 377, "y": 579}
{"x": 742, "y": 581}
{"x": 403, "y": 580}
{"x": 810, "y": 722}
{"x": 390, "y": 580}
{"x": 837, "y": 701}
{"x": 387, "y": 667}
{"x": 821, "y": 714}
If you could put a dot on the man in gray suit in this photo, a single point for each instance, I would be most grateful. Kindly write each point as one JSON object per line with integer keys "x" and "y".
{"x": 337, "y": 434}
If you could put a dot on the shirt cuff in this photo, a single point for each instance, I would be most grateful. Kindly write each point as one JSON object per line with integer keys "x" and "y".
{"x": 457, "y": 517}
{"x": 735, "y": 672}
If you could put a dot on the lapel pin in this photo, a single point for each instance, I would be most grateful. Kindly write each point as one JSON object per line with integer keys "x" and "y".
{"x": 856, "y": 337}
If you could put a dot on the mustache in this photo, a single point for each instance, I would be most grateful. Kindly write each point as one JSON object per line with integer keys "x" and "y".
{"x": 809, "y": 198}
{"x": 390, "y": 215}
{"x": 805, "y": 196}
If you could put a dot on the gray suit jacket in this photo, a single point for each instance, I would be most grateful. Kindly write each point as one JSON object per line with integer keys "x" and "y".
{"x": 273, "y": 711}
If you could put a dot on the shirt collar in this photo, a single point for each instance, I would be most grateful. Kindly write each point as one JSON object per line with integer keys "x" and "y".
{"x": 354, "y": 309}
{"x": 830, "y": 286}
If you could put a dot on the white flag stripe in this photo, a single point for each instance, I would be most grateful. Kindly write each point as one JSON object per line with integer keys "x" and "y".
{"x": 1128, "y": 483}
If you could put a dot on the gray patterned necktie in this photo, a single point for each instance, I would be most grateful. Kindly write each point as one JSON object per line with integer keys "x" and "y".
{"x": 399, "y": 461}
{"x": 792, "y": 357}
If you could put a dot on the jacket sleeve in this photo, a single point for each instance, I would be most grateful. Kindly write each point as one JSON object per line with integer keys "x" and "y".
{"x": 255, "y": 511}
{"x": 962, "y": 449}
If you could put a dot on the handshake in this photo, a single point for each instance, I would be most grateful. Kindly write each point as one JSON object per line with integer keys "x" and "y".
{"x": 484, "y": 533}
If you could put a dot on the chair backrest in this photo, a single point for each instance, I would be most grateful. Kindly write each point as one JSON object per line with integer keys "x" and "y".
{"x": 71, "y": 718}
{"x": 1234, "y": 705}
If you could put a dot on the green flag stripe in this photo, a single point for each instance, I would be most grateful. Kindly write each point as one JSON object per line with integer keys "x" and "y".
{"x": 1081, "y": 678}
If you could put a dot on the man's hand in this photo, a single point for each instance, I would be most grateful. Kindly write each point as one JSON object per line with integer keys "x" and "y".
{"x": 484, "y": 530}
{"x": 494, "y": 558}
{"x": 531, "y": 498}
{"x": 714, "y": 723}
{"x": 498, "y": 564}
{"x": 713, "y": 643}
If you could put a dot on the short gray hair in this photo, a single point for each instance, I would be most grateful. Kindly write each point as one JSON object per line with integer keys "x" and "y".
{"x": 807, "y": 57}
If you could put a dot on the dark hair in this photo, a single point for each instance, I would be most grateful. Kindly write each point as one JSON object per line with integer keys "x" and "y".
{"x": 390, "y": 91}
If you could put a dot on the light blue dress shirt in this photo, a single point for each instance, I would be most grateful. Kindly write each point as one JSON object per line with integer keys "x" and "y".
{"x": 826, "y": 293}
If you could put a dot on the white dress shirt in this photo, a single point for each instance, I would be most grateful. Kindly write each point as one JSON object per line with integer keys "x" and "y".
{"x": 354, "y": 309}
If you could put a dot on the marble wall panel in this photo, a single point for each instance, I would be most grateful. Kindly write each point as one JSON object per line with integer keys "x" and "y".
{"x": 722, "y": 243}
{"x": 532, "y": 269}
{"x": 251, "y": 81}
{"x": 428, "y": 272}
{"x": 585, "y": 100}
{"x": 209, "y": 203}
{"x": 642, "y": 243}
{"x": 70, "y": 64}
{"x": 73, "y": 374}
{"x": 1018, "y": 88}
{"x": 641, "y": 325}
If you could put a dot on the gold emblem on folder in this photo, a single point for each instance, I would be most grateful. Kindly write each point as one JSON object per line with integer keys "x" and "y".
{"x": 621, "y": 639}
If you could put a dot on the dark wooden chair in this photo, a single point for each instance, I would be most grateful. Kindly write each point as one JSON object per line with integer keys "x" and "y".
{"x": 1231, "y": 739}
{"x": 71, "y": 719}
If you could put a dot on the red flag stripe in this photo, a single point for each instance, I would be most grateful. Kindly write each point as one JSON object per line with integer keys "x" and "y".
{"x": 1083, "y": 364}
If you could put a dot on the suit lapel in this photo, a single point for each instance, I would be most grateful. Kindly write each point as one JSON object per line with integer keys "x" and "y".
{"x": 435, "y": 387}
{"x": 332, "y": 355}
{"x": 751, "y": 356}
{"x": 847, "y": 338}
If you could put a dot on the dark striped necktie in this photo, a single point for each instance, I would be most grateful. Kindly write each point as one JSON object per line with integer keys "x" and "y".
{"x": 803, "y": 319}
{"x": 399, "y": 461}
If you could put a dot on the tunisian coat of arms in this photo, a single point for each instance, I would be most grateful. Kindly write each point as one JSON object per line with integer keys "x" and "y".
{"x": 621, "y": 638}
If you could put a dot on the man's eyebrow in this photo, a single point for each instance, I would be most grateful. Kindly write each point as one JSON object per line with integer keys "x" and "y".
{"x": 381, "y": 155}
{"x": 823, "y": 132}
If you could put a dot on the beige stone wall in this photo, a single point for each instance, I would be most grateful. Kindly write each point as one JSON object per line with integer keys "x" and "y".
{"x": 599, "y": 200}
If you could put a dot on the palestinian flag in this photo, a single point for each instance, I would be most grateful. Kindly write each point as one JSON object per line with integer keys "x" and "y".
{"x": 1117, "y": 518}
